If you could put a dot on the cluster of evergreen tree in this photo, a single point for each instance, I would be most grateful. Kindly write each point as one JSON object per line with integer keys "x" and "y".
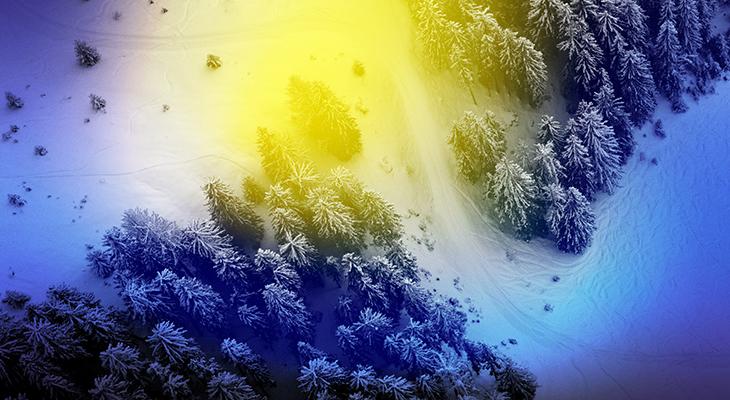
{"x": 641, "y": 46}
{"x": 465, "y": 37}
{"x": 70, "y": 346}
{"x": 545, "y": 189}
{"x": 330, "y": 211}
{"x": 211, "y": 277}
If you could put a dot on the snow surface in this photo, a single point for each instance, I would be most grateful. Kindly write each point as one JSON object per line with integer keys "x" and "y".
{"x": 644, "y": 314}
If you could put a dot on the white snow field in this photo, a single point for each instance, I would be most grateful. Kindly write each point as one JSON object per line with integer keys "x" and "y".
{"x": 643, "y": 314}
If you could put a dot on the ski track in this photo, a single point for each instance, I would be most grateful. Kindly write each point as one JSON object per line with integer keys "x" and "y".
{"x": 470, "y": 245}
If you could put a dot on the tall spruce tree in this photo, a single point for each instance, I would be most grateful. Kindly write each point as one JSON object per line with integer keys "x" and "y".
{"x": 612, "y": 109}
{"x": 637, "y": 85}
{"x": 514, "y": 193}
{"x": 667, "y": 61}
{"x": 478, "y": 143}
{"x": 602, "y": 147}
{"x": 578, "y": 166}
{"x": 576, "y": 223}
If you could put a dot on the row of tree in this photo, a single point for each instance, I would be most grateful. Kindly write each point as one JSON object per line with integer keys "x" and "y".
{"x": 465, "y": 37}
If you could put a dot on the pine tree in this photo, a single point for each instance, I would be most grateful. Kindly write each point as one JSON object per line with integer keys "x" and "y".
{"x": 252, "y": 191}
{"x": 575, "y": 223}
{"x": 169, "y": 342}
{"x": 232, "y": 213}
{"x": 633, "y": 21}
{"x": 242, "y": 357}
{"x": 302, "y": 178}
{"x": 325, "y": 117}
{"x": 478, "y": 143}
{"x": 546, "y": 165}
{"x": 395, "y": 387}
{"x": 200, "y": 301}
{"x": 228, "y": 386}
{"x": 298, "y": 251}
{"x": 602, "y": 147}
{"x": 579, "y": 169}
{"x": 542, "y": 19}
{"x": 688, "y": 26}
{"x": 286, "y": 222}
{"x": 287, "y": 310}
{"x": 514, "y": 193}
{"x": 205, "y": 239}
{"x": 553, "y": 196}
{"x": 523, "y": 63}
{"x": 143, "y": 299}
{"x": 320, "y": 377}
{"x": 637, "y": 86}
{"x": 612, "y": 109}
{"x": 121, "y": 360}
{"x": 333, "y": 220}
{"x": 517, "y": 382}
{"x": 381, "y": 220}
{"x": 432, "y": 30}
{"x": 667, "y": 52}
{"x": 278, "y": 153}
{"x": 549, "y": 130}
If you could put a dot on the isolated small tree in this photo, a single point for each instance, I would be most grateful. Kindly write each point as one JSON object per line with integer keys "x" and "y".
{"x": 13, "y": 102}
{"x": 514, "y": 193}
{"x": 86, "y": 55}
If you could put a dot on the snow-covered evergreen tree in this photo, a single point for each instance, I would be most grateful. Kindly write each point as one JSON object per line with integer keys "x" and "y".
{"x": 667, "y": 57}
{"x": 542, "y": 19}
{"x": 546, "y": 166}
{"x": 579, "y": 169}
{"x": 602, "y": 147}
{"x": 478, "y": 143}
{"x": 514, "y": 193}
{"x": 575, "y": 223}
{"x": 633, "y": 21}
{"x": 637, "y": 86}
{"x": 199, "y": 300}
{"x": 549, "y": 130}
{"x": 320, "y": 378}
{"x": 169, "y": 343}
{"x": 432, "y": 30}
{"x": 287, "y": 310}
{"x": 298, "y": 251}
{"x": 688, "y": 26}
{"x": 517, "y": 382}
{"x": 325, "y": 117}
{"x": 228, "y": 386}
{"x": 523, "y": 63}
{"x": 234, "y": 214}
{"x": 278, "y": 153}
{"x": 612, "y": 110}
{"x": 380, "y": 218}
{"x": 333, "y": 221}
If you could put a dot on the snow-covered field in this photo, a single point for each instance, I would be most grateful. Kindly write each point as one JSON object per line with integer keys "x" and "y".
{"x": 644, "y": 314}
